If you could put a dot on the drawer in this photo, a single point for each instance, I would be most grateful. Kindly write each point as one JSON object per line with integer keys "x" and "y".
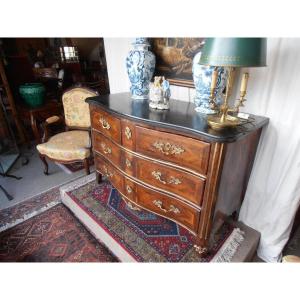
{"x": 170, "y": 179}
{"x": 107, "y": 148}
{"x": 128, "y": 134}
{"x": 112, "y": 174}
{"x": 106, "y": 124}
{"x": 183, "y": 151}
{"x": 168, "y": 207}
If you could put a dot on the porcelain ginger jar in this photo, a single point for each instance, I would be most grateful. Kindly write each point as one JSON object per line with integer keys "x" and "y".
{"x": 140, "y": 64}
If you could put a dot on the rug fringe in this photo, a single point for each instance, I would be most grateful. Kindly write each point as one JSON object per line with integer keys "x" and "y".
{"x": 229, "y": 248}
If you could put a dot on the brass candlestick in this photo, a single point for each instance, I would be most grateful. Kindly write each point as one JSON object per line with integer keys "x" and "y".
{"x": 212, "y": 101}
{"x": 242, "y": 92}
{"x": 223, "y": 119}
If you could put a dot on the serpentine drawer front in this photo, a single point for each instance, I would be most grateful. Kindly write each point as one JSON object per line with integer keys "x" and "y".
{"x": 112, "y": 174}
{"x": 106, "y": 147}
{"x": 168, "y": 207}
{"x": 170, "y": 162}
{"x": 171, "y": 180}
{"x": 106, "y": 124}
{"x": 174, "y": 148}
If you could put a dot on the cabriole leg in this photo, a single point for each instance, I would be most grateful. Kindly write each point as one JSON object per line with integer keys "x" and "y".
{"x": 43, "y": 159}
{"x": 98, "y": 177}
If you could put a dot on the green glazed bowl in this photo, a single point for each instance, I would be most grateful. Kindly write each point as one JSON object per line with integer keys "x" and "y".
{"x": 33, "y": 94}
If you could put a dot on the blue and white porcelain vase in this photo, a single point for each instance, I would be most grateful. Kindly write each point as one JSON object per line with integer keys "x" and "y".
{"x": 202, "y": 76}
{"x": 140, "y": 64}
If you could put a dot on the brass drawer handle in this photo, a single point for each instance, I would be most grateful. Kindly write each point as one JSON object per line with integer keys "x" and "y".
{"x": 173, "y": 180}
{"x": 128, "y": 163}
{"x": 107, "y": 173}
{"x": 128, "y": 189}
{"x": 167, "y": 148}
{"x": 158, "y": 203}
{"x": 172, "y": 208}
{"x": 157, "y": 176}
{"x": 104, "y": 123}
{"x": 131, "y": 206}
{"x": 106, "y": 149}
{"x": 128, "y": 133}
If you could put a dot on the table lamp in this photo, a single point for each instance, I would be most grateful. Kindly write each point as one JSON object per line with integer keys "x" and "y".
{"x": 231, "y": 53}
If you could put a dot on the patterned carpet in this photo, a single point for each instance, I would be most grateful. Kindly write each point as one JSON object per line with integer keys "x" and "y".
{"x": 16, "y": 214}
{"x": 53, "y": 236}
{"x": 42, "y": 229}
{"x": 145, "y": 236}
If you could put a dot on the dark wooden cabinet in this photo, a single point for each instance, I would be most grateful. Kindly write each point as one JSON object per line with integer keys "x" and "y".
{"x": 170, "y": 162}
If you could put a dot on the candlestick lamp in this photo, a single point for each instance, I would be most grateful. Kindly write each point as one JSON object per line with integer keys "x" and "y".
{"x": 231, "y": 53}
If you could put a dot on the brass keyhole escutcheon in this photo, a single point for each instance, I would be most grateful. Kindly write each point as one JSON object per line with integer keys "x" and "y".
{"x": 129, "y": 189}
{"x": 128, "y": 163}
{"x": 128, "y": 133}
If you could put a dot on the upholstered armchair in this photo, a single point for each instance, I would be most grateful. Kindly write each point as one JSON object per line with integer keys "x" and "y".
{"x": 74, "y": 144}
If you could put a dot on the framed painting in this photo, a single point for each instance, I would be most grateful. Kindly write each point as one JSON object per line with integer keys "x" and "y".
{"x": 174, "y": 58}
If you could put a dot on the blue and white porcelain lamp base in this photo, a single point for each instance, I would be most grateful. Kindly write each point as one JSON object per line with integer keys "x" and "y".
{"x": 202, "y": 76}
{"x": 204, "y": 107}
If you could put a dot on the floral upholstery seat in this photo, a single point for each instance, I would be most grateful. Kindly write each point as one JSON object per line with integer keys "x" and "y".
{"x": 67, "y": 146}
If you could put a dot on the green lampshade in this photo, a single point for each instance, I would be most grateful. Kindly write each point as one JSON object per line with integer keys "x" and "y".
{"x": 234, "y": 52}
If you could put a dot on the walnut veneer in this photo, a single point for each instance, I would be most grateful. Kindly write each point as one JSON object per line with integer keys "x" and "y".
{"x": 170, "y": 162}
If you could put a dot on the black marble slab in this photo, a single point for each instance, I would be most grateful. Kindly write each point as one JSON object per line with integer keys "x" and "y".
{"x": 181, "y": 116}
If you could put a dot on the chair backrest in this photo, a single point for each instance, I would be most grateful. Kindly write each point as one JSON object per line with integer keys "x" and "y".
{"x": 76, "y": 109}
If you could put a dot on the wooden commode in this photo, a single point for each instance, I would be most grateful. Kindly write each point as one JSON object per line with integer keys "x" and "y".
{"x": 170, "y": 162}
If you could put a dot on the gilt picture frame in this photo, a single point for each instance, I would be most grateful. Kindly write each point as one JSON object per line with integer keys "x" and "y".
{"x": 174, "y": 58}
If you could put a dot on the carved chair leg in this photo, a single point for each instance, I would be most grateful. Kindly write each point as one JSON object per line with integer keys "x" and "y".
{"x": 43, "y": 159}
{"x": 98, "y": 177}
{"x": 86, "y": 166}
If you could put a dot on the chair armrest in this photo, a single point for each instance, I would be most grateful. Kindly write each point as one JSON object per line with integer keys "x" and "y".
{"x": 52, "y": 119}
{"x": 48, "y": 122}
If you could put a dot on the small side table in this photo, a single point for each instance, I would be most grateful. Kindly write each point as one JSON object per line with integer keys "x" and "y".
{"x": 38, "y": 115}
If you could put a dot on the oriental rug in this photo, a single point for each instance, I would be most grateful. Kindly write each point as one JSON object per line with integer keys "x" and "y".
{"x": 140, "y": 235}
{"x": 54, "y": 235}
{"x": 29, "y": 208}
{"x": 42, "y": 229}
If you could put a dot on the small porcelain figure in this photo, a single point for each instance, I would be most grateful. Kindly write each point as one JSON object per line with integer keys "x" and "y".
{"x": 160, "y": 93}
{"x": 166, "y": 89}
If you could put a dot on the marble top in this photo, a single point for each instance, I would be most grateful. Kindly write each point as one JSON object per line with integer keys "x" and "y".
{"x": 181, "y": 116}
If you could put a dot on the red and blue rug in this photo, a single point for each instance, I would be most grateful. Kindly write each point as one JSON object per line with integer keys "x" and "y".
{"x": 54, "y": 235}
{"x": 43, "y": 230}
{"x": 141, "y": 235}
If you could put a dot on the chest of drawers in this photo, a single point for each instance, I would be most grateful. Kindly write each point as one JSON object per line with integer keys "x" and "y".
{"x": 170, "y": 162}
